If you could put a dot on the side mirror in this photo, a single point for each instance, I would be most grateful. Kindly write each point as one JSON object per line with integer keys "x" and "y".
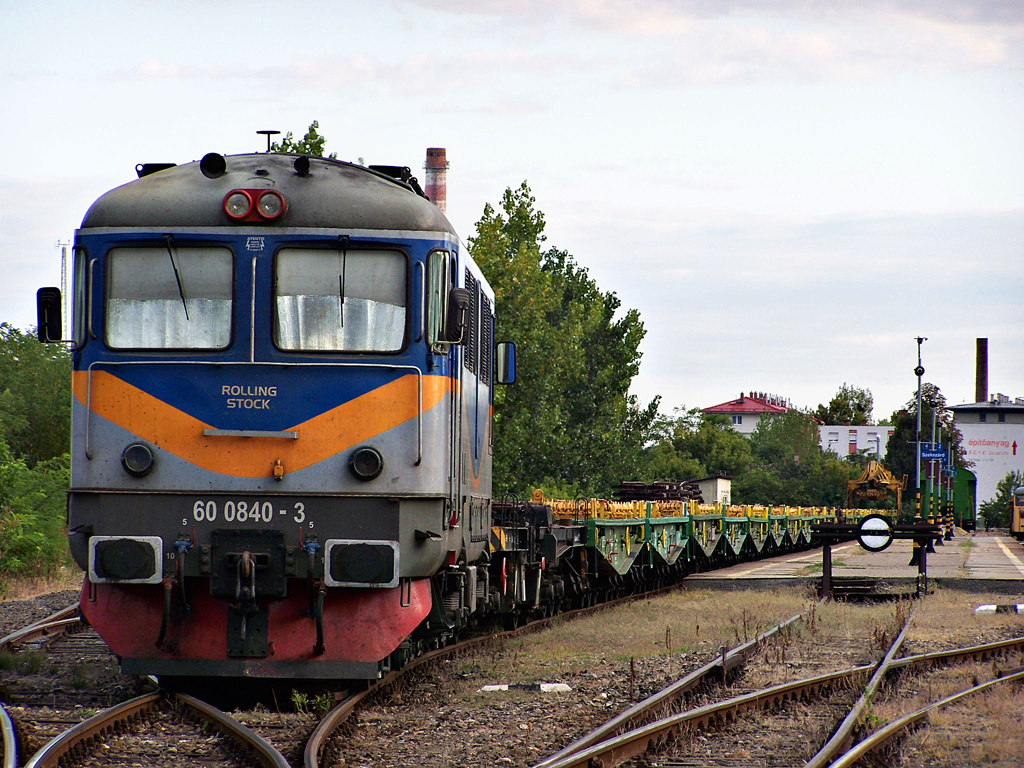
{"x": 505, "y": 352}
{"x": 49, "y": 324}
{"x": 458, "y": 315}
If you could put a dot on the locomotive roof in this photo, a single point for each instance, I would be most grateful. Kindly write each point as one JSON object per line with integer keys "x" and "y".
{"x": 329, "y": 194}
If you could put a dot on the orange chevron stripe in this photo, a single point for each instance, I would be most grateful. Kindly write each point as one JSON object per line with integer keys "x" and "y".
{"x": 319, "y": 438}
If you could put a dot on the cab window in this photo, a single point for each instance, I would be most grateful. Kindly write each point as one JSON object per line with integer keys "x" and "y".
{"x": 168, "y": 297}
{"x": 329, "y": 300}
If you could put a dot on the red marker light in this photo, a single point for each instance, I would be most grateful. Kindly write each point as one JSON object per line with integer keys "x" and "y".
{"x": 271, "y": 205}
{"x": 238, "y": 204}
{"x": 254, "y": 204}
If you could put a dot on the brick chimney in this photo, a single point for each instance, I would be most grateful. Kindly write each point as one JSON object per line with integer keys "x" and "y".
{"x": 981, "y": 373}
{"x": 436, "y": 185}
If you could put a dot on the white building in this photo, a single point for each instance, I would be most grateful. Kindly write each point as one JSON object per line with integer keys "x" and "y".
{"x": 993, "y": 434}
{"x": 845, "y": 440}
{"x": 715, "y": 489}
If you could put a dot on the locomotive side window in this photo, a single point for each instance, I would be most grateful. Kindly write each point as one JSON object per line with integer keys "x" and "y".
{"x": 169, "y": 297}
{"x": 340, "y": 300}
{"x": 437, "y": 298}
{"x": 79, "y": 303}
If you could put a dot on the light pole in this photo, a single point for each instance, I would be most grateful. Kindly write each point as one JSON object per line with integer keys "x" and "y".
{"x": 919, "y": 372}
{"x": 917, "y": 558}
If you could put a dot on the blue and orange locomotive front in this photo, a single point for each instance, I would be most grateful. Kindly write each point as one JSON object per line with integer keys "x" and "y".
{"x": 281, "y": 446}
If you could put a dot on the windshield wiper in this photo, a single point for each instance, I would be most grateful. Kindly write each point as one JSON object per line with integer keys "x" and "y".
{"x": 341, "y": 279}
{"x": 177, "y": 276}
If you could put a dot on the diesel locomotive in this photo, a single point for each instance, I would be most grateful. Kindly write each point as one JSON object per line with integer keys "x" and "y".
{"x": 283, "y": 380}
{"x": 282, "y": 405}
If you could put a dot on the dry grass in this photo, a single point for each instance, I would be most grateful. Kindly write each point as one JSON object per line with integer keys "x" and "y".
{"x": 679, "y": 628}
{"x": 696, "y": 624}
{"x": 672, "y": 624}
{"x": 946, "y": 619}
{"x": 66, "y": 577}
{"x": 622, "y": 655}
{"x": 983, "y": 729}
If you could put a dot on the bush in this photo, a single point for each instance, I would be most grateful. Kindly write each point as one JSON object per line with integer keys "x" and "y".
{"x": 32, "y": 515}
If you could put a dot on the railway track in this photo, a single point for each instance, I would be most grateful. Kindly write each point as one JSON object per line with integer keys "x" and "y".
{"x": 616, "y": 743}
{"x": 636, "y": 730}
{"x": 76, "y": 738}
{"x": 77, "y": 743}
{"x": 38, "y": 704}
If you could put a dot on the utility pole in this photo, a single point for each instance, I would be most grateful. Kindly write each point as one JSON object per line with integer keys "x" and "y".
{"x": 64, "y": 245}
{"x": 918, "y": 557}
{"x": 919, "y": 372}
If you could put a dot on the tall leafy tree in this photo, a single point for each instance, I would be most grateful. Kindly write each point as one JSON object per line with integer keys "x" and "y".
{"x": 663, "y": 458}
{"x": 605, "y": 427}
{"x": 901, "y": 450}
{"x": 528, "y": 418}
{"x": 569, "y": 417}
{"x": 35, "y": 396}
{"x": 850, "y": 405}
{"x": 788, "y": 466}
{"x": 32, "y": 531}
{"x": 310, "y": 144}
{"x": 996, "y": 510}
{"x": 695, "y": 445}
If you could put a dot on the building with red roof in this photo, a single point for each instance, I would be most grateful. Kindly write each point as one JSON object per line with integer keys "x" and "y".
{"x": 746, "y": 412}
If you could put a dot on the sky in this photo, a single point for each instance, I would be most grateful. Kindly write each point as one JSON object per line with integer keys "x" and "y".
{"x": 788, "y": 192}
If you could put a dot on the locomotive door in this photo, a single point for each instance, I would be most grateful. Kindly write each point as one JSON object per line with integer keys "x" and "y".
{"x": 476, "y": 384}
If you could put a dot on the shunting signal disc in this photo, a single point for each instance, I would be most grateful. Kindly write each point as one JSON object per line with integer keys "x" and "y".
{"x": 875, "y": 533}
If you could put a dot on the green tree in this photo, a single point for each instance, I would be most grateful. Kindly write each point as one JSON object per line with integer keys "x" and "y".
{"x": 850, "y": 406}
{"x": 788, "y": 466}
{"x": 35, "y": 396}
{"x": 996, "y": 510}
{"x": 569, "y": 412}
{"x": 311, "y": 144}
{"x": 901, "y": 450}
{"x": 32, "y": 532}
{"x": 694, "y": 445}
{"x": 527, "y": 415}
{"x": 605, "y": 427}
{"x": 721, "y": 449}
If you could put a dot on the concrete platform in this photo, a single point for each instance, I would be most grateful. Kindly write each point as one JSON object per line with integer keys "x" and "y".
{"x": 980, "y": 562}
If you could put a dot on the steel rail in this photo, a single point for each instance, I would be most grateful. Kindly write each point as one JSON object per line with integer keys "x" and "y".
{"x": 884, "y": 736}
{"x": 613, "y": 752}
{"x": 51, "y": 753}
{"x": 266, "y": 753}
{"x": 52, "y": 625}
{"x": 617, "y": 750}
{"x": 64, "y": 613}
{"x": 976, "y": 652}
{"x": 656, "y": 703}
{"x": 10, "y": 739}
{"x": 315, "y": 744}
{"x": 842, "y": 739}
{"x": 54, "y": 750}
{"x": 342, "y": 711}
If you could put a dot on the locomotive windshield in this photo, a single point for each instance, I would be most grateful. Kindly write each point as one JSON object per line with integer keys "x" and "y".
{"x": 169, "y": 297}
{"x": 340, "y": 300}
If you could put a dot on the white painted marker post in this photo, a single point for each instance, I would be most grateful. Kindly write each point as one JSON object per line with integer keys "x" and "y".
{"x": 989, "y": 609}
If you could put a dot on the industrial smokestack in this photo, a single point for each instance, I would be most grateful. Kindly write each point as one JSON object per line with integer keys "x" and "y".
{"x": 981, "y": 373}
{"x": 436, "y": 185}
